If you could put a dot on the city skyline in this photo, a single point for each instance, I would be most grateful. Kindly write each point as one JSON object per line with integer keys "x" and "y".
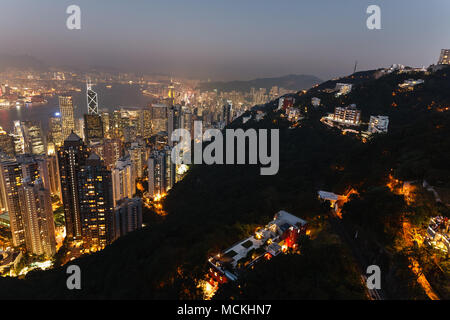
{"x": 227, "y": 40}
{"x": 226, "y": 151}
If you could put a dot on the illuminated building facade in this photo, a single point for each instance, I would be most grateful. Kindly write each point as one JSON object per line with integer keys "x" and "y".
{"x": 146, "y": 118}
{"x": 378, "y": 124}
{"x": 96, "y": 204}
{"x": 282, "y": 233}
{"x": 123, "y": 182}
{"x": 159, "y": 118}
{"x": 49, "y": 173}
{"x": 34, "y": 142}
{"x": 55, "y": 134}
{"x": 6, "y": 143}
{"x": 38, "y": 219}
{"x": 93, "y": 128}
{"x": 92, "y": 99}
{"x": 66, "y": 110}
{"x": 11, "y": 180}
{"x": 348, "y": 115}
{"x": 343, "y": 88}
{"x": 445, "y": 57}
{"x": 227, "y": 114}
{"x": 173, "y": 122}
{"x": 106, "y": 122}
{"x": 71, "y": 156}
{"x": 138, "y": 154}
{"x": 112, "y": 151}
{"x": 161, "y": 172}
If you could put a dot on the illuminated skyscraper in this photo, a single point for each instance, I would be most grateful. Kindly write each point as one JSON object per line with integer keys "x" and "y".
{"x": 161, "y": 172}
{"x": 38, "y": 219}
{"x": 19, "y": 139}
{"x": 11, "y": 180}
{"x": 92, "y": 99}
{"x": 79, "y": 128}
{"x": 173, "y": 122}
{"x": 34, "y": 142}
{"x": 67, "y": 115}
{"x": 71, "y": 156}
{"x": 110, "y": 150}
{"x": 55, "y": 134}
{"x": 159, "y": 118}
{"x": 115, "y": 128}
{"x": 146, "y": 118}
{"x": 227, "y": 113}
{"x": 137, "y": 154}
{"x": 93, "y": 127}
{"x": 29, "y": 166}
{"x": 96, "y": 204}
{"x": 171, "y": 93}
{"x": 106, "y": 122}
{"x": 49, "y": 173}
{"x": 187, "y": 121}
{"x": 124, "y": 185}
{"x": 6, "y": 143}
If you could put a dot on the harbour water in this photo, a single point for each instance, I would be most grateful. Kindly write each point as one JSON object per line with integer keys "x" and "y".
{"x": 118, "y": 95}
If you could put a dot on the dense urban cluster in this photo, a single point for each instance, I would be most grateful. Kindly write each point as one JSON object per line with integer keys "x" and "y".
{"x": 75, "y": 185}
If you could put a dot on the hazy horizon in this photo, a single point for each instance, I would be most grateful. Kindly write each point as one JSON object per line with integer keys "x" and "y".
{"x": 226, "y": 40}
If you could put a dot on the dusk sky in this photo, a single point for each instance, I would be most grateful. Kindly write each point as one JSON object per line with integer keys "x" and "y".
{"x": 227, "y": 39}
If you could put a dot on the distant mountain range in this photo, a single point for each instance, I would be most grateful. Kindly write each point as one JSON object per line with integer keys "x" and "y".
{"x": 20, "y": 62}
{"x": 291, "y": 82}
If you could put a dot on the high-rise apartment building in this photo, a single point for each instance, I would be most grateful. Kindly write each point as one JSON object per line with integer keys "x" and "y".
{"x": 146, "y": 118}
{"x": 173, "y": 121}
{"x": 29, "y": 166}
{"x": 123, "y": 179}
{"x": 6, "y": 143}
{"x": 115, "y": 129}
{"x": 110, "y": 150}
{"x": 137, "y": 154}
{"x": 161, "y": 172}
{"x": 38, "y": 219}
{"x": 93, "y": 128}
{"x": 128, "y": 216}
{"x": 28, "y": 205}
{"x": 49, "y": 173}
{"x": 187, "y": 121}
{"x": 34, "y": 141}
{"x": 349, "y": 115}
{"x": 159, "y": 118}
{"x": 18, "y": 138}
{"x": 96, "y": 204}
{"x": 55, "y": 134}
{"x": 11, "y": 181}
{"x": 106, "y": 122}
{"x": 71, "y": 156}
{"x": 79, "y": 128}
{"x": 66, "y": 110}
{"x": 227, "y": 113}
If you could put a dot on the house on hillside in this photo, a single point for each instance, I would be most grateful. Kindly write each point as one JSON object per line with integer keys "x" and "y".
{"x": 282, "y": 233}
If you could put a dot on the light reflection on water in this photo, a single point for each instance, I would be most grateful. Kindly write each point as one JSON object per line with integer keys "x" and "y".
{"x": 109, "y": 98}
